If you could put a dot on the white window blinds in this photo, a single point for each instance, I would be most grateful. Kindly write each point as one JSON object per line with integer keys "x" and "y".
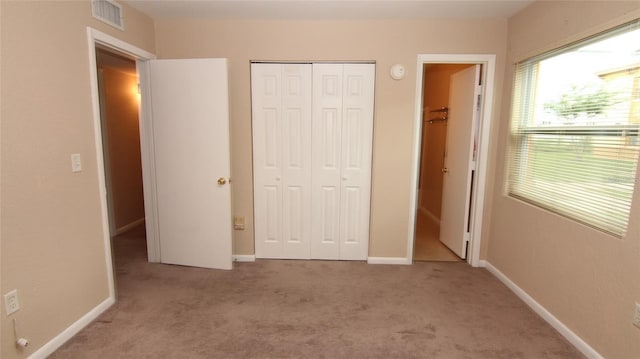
{"x": 574, "y": 132}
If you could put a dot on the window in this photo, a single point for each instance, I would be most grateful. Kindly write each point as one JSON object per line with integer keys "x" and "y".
{"x": 574, "y": 131}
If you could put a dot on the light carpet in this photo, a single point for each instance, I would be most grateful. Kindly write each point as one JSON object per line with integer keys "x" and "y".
{"x": 312, "y": 309}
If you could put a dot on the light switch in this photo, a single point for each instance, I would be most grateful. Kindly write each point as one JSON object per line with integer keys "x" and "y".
{"x": 76, "y": 162}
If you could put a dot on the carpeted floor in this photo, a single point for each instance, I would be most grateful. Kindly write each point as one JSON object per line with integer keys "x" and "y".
{"x": 312, "y": 309}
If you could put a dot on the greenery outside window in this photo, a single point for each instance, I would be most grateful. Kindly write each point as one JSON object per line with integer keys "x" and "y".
{"x": 574, "y": 129}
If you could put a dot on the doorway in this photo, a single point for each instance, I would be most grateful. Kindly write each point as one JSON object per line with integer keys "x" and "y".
{"x": 119, "y": 100}
{"x": 119, "y": 113}
{"x": 202, "y": 91}
{"x": 98, "y": 41}
{"x": 450, "y": 87}
{"x": 435, "y": 117}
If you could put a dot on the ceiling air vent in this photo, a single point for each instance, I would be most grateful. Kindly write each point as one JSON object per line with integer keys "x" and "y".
{"x": 108, "y": 11}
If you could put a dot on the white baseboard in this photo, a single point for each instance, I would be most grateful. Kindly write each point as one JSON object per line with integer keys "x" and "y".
{"x": 243, "y": 258}
{"x": 430, "y": 216}
{"x": 129, "y": 226}
{"x": 389, "y": 260}
{"x": 572, "y": 337}
{"x": 72, "y": 330}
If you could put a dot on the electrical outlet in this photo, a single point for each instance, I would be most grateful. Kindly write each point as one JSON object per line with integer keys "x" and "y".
{"x": 636, "y": 316}
{"x": 11, "y": 303}
{"x": 238, "y": 222}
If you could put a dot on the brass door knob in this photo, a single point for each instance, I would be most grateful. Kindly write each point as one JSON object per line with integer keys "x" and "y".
{"x": 222, "y": 181}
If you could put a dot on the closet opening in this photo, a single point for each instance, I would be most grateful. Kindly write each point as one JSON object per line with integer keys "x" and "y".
{"x": 454, "y": 95}
{"x": 435, "y": 118}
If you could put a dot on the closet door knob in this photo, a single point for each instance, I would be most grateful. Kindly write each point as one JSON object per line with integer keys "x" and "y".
{"x": 222, "y": 181}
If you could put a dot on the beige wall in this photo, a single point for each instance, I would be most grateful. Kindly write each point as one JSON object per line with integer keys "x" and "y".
{"x": 436, "y": 81}
{"x": 121, "y": 100}
{"x": 587, "y": 279}
{"x": 52, "y": 244}
{"x": 385, "y": 41}
{"x": 51, "y": 217}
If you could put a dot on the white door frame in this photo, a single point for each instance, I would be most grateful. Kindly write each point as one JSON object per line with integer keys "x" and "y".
{"x": 488, "y": 62}
{"x": 94, "y": 38}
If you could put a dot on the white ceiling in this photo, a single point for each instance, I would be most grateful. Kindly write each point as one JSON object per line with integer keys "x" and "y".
{"x": 328, "y": 9}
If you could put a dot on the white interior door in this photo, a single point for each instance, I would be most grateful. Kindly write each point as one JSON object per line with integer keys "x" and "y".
{"x": 464, "y": 95}
{"x": 281, "y": 116}
{"x": 312, "y": 145}
{"x": 326, "y": 158}
{"x": 357, "y": 142}
{"x": 342, "y": 123}
{"x": 189, "y": 105}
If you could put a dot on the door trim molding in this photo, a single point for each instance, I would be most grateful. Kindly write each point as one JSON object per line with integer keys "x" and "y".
{"x": 489, "y": 63}
{"x": 95, "y": 37}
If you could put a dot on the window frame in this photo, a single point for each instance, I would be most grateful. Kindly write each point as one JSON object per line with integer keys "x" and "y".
{"x": 520, "y": 132}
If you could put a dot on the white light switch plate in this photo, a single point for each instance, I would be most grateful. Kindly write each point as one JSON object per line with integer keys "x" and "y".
{"x": 76, "y": 162}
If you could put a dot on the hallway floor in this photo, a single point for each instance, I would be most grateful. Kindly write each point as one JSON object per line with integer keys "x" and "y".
{"x": 427, "y": 246}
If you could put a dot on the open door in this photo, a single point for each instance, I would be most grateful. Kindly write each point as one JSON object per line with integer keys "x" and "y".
{"x": 459, "y": 162}
{"x": 190, "y": 118}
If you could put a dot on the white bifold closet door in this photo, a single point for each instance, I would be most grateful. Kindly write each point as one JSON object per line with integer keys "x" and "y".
{"x": 281, "y": 110}
{"x": 312, "y": 145}
{"x": 342, "y": 124}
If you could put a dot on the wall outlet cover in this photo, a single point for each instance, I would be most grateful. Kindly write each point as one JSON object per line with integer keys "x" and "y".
{"x": 238, "y": 222}
{"x": 11, "y": 304}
